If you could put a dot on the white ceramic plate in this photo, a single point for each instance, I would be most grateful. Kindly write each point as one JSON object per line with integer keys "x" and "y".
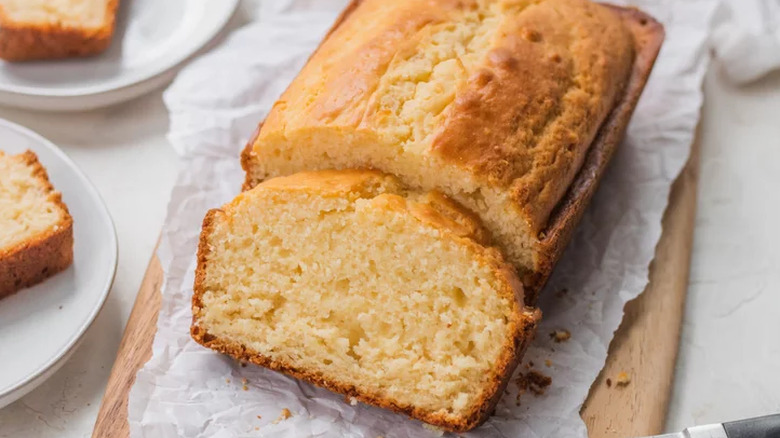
{"x": 152, "y": 38}
{"x": 41, "y": 326}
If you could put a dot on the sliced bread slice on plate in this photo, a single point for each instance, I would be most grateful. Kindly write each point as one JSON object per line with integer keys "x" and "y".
{"x": 50, "y": 29}
{"x": 36, "y": 230}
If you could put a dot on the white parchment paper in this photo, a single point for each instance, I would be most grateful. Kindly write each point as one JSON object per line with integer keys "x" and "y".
{"x": 215, "y": 105}
{"x": 746, "y": 38}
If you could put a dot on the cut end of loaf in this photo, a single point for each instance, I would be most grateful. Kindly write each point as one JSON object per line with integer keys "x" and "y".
{"x": 349, "y": 281}
{"x": 36, "y": 230}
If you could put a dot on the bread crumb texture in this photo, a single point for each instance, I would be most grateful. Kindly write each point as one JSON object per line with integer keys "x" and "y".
{"x": 28, "y": 204}
{"x": 492, "y": 102}
{"x": 36, "y": 230}
{"x": 348, "y": 280}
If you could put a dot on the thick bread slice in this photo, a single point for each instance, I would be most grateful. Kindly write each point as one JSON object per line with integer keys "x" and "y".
{"x": 347, "y": 280}
{"x": 49, "y": 29}
{"x": 36, "y": 230}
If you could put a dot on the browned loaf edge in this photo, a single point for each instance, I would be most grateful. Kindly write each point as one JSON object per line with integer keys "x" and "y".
{"x": 32, "y": 261}
{"x": 648, "y": 36}
{"x": 504, "y": 368}
{"x": 27, "y": 42}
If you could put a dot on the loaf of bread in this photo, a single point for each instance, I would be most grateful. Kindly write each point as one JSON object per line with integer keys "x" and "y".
{"x": 36, "y": 230}
{"x": 349, "y": 281}
{"x": 48, "y": 29}
{"x": 495, "y": 103}
{"x": 487, "y": 125}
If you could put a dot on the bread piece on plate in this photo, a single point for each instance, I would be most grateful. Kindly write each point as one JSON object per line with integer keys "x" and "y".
{"x": 50, "y": 29}
{"x": 36, "y": 230}
{"x": 348, "y": 281}
{"x": 498, "y": 104}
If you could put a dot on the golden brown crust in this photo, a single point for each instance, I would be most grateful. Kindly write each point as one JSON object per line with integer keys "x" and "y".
{"x": 48, "y": 253}
{"x": 246, "y": 159}
{"x": 35, "y": 41}
{"x": 525, "y": 120}
{"x": 648, "y": 36}
{"x": 435, "y": 211}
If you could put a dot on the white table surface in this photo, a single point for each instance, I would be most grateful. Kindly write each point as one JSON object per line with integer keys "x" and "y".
{"x": 729, "y": 360}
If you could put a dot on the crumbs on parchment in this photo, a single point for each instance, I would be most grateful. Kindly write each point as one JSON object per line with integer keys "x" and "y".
{"x": 533, "y": 381}
{"x": 547, "y": 363}
{"x": 285, "y": 414}
{"x": 561, "y": 335}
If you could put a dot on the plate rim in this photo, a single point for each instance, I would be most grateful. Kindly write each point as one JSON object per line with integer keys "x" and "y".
{"x": 109, "y": 280}
{"x": 227, "y": 10}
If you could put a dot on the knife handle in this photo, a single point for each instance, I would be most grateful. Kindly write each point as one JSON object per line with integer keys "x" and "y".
{"x": 760, "y": 427}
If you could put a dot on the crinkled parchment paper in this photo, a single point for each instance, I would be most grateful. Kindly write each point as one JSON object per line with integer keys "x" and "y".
{"x": 215, "y": 105}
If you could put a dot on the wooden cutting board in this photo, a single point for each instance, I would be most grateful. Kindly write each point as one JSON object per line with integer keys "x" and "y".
{"x": 644, "y": 347}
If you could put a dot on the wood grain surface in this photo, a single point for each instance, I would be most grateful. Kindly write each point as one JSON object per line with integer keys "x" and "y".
{"x": 134, "y": 351}
{"x": 644, "y": 347}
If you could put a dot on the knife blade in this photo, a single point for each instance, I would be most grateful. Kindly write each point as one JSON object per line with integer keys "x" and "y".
{"x": 759, "y": 427}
